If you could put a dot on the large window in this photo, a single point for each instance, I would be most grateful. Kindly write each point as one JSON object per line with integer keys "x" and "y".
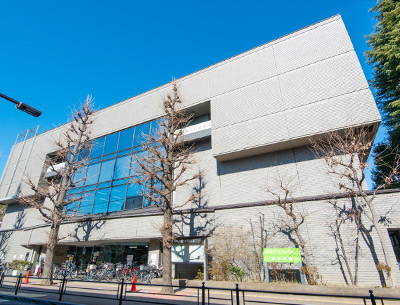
{"x": 103, "y": 184}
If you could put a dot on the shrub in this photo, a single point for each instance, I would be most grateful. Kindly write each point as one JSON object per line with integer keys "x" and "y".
{"x": 19, "y": 265}
{"x": 237, "y": 272}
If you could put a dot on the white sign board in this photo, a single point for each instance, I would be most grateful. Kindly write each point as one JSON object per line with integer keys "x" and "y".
{"x": 188, "y": 254}
{"x": 129, "y": 259}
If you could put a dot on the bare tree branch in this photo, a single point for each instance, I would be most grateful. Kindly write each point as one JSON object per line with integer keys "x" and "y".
{"x": 346, "y": 153}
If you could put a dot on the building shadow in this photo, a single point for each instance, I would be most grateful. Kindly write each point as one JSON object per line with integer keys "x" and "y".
{"x": 366, "y": 235}
{"x": 84, "y": 229}
{"x": 198, "y": 220}
{"x": 5, "y": 236}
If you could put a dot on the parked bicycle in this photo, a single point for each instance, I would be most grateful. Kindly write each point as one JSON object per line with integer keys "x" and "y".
{"x": 65, "y": 271}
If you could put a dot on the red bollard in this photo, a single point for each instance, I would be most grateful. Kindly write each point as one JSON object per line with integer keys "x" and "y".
{"x": 27, "y": 277}
{"x": 133, "y": 288}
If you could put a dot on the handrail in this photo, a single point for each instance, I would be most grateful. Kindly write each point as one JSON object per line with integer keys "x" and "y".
{"x": 237, "y": 295}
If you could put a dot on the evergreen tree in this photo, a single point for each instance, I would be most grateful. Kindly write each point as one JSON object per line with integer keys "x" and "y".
{"x": 384, "y": 55}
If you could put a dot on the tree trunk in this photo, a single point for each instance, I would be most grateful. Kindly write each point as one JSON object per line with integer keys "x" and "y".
{"x": 168, "y": 240}
{"x": 261, "y": 260}
{"x": 357, "y": 256}
{"x": 346, "y": 261}
{"x": 384, "y": 245}
{"x": 306, "y": 259}
{"x": 47, "y": 274}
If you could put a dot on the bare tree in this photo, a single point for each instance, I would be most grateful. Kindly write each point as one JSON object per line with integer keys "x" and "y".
{"x": 50, "y": 195}
{"x": 344, "y": 215}
{"x": 163, "y": 167}
{"x": 259, "y": 237}
{"x": 291, "y": 223}
{"x": 345, "y": 154}
{"x": 229, "y": 255}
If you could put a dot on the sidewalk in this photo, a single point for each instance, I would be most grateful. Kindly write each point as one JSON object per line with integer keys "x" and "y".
{"x": 100, "y": 293}
{"x": 290, "y": 288}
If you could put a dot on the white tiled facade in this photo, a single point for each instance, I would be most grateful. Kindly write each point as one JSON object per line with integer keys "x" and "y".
{"x": 265, "y": 104}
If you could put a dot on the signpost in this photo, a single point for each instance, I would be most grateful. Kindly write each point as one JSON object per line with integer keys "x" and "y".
{"x": 282, "y": 255}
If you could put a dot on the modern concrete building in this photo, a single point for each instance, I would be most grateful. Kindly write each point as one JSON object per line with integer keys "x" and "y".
{"x": 254, "y": 116}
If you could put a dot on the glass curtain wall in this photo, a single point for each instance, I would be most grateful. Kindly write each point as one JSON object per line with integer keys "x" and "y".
{"x": 105, "y": 183}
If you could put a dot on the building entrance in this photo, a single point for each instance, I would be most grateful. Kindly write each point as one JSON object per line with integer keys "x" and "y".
{"x": 125, "y": 253}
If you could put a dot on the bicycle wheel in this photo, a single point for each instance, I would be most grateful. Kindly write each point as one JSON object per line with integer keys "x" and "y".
{"x": 73, "y": 274}
{"x": 118, "y": 275}
{"x": 140, "y": 276}
{"x": 150, "y": 277}
{"x": 109, "y": 276}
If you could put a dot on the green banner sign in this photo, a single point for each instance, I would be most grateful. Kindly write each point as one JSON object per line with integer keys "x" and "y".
{"x": 281, "y": 255}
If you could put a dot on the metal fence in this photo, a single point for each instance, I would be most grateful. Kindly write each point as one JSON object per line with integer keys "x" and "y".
{"x": 204, "y": 295}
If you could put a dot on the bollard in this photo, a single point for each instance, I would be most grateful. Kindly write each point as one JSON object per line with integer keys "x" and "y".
{"x": 203, "y": 294}
{"x": 121, "y": 293}
{"x": 63, "y": 287}
{"x": 237, "y": 295}
{"x": 371, "y": 294}
{"x": 1, "y": 278}
{"x": 18, "y": 283}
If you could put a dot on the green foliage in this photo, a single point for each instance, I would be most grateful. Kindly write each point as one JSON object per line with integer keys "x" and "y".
{"x": 20, "y": 265}
{"x": 384, "y": 55}
{"x": 237, "y": 272}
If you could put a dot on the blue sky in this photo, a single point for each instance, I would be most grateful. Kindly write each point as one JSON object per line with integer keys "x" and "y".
{"x": 54, "y": 53}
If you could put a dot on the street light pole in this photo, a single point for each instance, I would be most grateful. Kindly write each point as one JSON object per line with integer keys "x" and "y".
{"x": 23, "y": 107}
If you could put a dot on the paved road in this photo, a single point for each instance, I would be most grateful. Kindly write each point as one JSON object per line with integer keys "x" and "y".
{"x": 7, "y": 302}
{"x": 106, "y": 293}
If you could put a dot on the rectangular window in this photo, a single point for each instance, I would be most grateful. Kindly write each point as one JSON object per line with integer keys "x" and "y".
{"x": 107, "y": 170}
{"x": 111, "y": 143}
{"x": 155, "y": 127}
{"x": 92, "y": 174}
{"x": 126, "y": 139}
{"x": 104, "y": 180}
{"x": 122, "y": 167}
{"x": 141, "y": 132}
{"x": 79, "y": 176}
{"x": 134, "y": 198}
{"x": 117, "y": 198}
{"x": 83, "y": 154}
{"x": 97, "y": 148}
{"x": 101, "y": 201}
{"x": 72, "y": 208}
{"x": 86, "y": 203}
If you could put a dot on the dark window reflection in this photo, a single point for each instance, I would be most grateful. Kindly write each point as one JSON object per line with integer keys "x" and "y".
{"x": 111, "y": 143}
{"x": 83, "y": 154}
{"x": 126, "y": 139}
